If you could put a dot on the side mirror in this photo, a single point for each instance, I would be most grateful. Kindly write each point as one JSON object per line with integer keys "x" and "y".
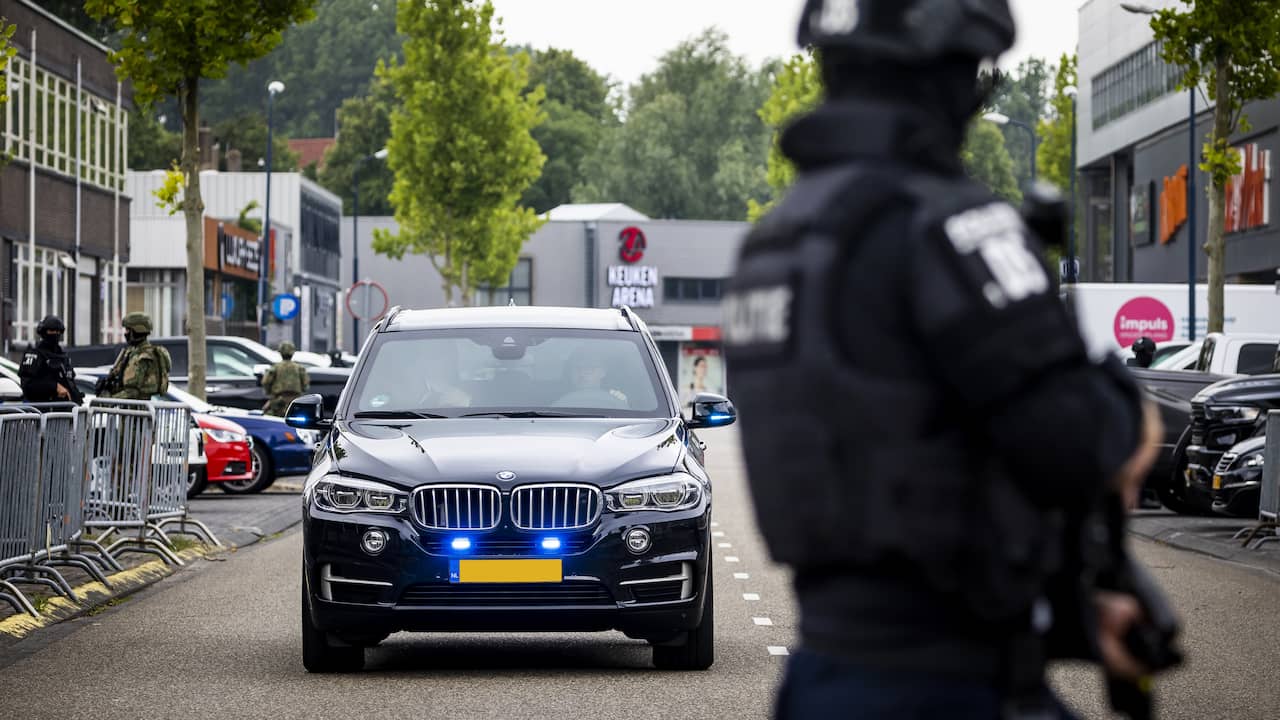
{"x": 10, "y": 391}
{"x": 712, "y": 411}
{"x": 307, "y": 413}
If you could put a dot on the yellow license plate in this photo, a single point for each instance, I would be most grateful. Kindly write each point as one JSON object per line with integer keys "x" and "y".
{"x": 543, "y": 570}
{"x": 1217, "y": 482}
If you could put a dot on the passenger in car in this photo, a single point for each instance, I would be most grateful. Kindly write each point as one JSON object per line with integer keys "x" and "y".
{"x": 587, "y": 373}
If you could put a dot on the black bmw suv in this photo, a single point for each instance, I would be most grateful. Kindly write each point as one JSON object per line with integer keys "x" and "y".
{"x": 506, "y": 470}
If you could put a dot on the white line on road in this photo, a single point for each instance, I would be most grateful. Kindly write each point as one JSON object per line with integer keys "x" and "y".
{"x": 715, "y": 524}
{"x": 724, "y": 545}
{"x": 750, "y": 596}
{"x": 718, "y": 533}
{"x": 730, "y": 558}
{"x": 761, "y": 621}
{"x": 777, "y": 650}
{"x": 741, "y": 576}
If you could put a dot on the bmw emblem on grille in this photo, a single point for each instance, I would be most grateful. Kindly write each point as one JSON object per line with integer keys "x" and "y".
{"x": 506, "y": 475}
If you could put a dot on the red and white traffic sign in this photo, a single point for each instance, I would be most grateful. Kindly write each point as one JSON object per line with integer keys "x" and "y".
{"x": 367, "y": 300}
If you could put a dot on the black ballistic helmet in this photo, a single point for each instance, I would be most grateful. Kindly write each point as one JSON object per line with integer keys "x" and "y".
{"x": 909, "y": 32}
{"x": 1144, "y": 344}
{"x": 51, "y": 323}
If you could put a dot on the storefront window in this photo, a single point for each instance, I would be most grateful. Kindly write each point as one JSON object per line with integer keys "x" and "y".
{"x": 519, "y": 287}
{"x": 680, "y": 289}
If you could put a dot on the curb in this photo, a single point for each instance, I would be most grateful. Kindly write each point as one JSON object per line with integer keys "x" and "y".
{"x": 1229, "y": 550}
{"x": 94, "y": 595}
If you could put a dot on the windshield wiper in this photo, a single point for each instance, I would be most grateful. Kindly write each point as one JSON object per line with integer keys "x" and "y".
{"x": 397, "y": 415}
{"x": 530, "y": 414}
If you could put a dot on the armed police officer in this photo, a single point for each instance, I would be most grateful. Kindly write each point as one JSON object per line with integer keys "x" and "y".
{"x": 919, "y": 413}
{"x": 46, "y": 372}
{"x": 141, "y": 369}
{"x": 284, "y": 382}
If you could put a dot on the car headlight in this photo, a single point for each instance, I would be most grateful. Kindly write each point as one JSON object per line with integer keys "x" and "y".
{"x": 1234, "y": 414}
{"x": 225, "y": 436}
{"x": 352, "y": 495}
{"x": 665, "y": 494}
{"x": 308, "y": 437}
{"x": 1253, "y": 460}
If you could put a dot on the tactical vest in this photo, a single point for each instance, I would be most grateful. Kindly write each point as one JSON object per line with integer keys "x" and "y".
{"x": 852, "y": 471}
{"x": 285, "y": 379}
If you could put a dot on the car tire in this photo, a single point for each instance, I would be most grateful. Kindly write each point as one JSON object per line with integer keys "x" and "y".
{"x": 263, "y": 476}
{"x": 197, "y": 481}
{"x": 698, "y": 651}
{"x": 1173, "y": 493}
{"x": 318, "y": 656}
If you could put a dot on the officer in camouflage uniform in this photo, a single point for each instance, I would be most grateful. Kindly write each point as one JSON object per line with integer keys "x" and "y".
{"x": 284, "y": 382}
{"x": 142, "y": 369}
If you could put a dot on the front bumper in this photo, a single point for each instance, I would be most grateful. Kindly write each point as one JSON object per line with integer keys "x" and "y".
{"x": 291, "y": 458}
{"x": 230, "y": 463}
{"x": 1238, "y": 492}
{"x": 411, "y": 585}
{"x": 1198, "y": 475}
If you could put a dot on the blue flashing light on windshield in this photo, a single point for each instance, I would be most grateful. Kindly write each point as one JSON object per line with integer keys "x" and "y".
{"x": 550, "y": 543}
{"x": 460, "y": 543}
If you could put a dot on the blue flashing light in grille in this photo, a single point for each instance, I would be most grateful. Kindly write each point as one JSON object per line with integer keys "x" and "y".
{"x": 460, "y": 543}
{"x": 550, "y": 543}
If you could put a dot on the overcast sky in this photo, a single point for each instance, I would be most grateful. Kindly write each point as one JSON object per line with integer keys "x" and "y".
{"x": 624, "y": 38}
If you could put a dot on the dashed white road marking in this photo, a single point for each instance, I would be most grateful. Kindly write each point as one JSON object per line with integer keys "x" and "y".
{"x": 718, "y": 533}
{"x": 761, "y": 621}
{"x": 777, "y": 650}
{"x": 741, "y": 576}
{"x": 750, "y": 596}
{"x": 715, "y": 524}
{"x": 724, "y": 545}
{"x": 730, "y": 558}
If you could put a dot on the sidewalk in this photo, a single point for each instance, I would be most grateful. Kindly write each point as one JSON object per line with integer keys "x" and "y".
{"x": 1206, "y": 535}
{"x": 236, "y": 520}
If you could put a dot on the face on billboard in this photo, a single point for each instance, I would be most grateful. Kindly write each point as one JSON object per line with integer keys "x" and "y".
{"x": 701, "y": 370}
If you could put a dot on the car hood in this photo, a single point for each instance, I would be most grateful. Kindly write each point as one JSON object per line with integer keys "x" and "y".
{"x": 598, "y": 451}
{"x": 1255, "y": 391}
{"x": 213, "y": 422}
{"x": 324, "y": 374}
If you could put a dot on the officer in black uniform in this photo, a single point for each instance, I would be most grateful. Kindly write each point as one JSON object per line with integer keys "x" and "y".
{"x": 919, "y": 412}
{"x": 46, "y": 372}
{"x": 1144, "y": 352}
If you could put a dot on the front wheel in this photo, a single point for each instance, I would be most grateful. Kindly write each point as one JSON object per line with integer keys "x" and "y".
{"x": 197, "y": 480}
{"x": 318, "y": 655}
{"x": 263, "y": 474}
{"x": 698, "y": 651}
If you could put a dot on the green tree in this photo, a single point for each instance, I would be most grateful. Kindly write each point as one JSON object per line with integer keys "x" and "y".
{"x": 1054, "y": 156}
{"x": 322, "y": 63}
{"x": 460, "y": 145}
{"x": 166, "y": 48}
{"x": 7, "y": 51}
{"x": 151, "y": 146}
{"x": 366, "y": 128}
{"x": 692, "y": 145}
{"x": 987, "y": 160}
{"x": 578, "y": 113}
{"x": 797, "y": 89}
{"x": 247, "y": 132}
{"x": 1022, "y": 96}
{"x": 1232, "y": 47}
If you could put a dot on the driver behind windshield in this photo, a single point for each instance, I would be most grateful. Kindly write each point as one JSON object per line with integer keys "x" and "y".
{"x": 587, "y": 371}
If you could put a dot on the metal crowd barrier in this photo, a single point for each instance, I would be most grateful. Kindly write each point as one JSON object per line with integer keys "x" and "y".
{"x": 1269, "y": 503}
{"x": 137, "y": 461}
{"x": 118, "y": 467}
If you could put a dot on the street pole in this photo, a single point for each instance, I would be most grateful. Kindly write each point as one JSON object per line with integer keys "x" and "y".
{"x": 355, "y": 250}
{"x": 1191, "y": 220}
{"x": 1071, "y": 221}
{"x": 265, "y": 253}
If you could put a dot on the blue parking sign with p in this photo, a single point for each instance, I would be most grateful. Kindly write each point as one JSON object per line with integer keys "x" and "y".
{"x": 285, "y": 306}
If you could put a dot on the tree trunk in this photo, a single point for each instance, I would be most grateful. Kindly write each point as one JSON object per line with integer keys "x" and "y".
{"x": 465, "y": 287}
{"x": 1215, "y": 238}
{"x": 193, "y": 209}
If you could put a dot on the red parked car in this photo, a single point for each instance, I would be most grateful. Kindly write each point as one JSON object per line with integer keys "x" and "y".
{"x": 227, "y": 446}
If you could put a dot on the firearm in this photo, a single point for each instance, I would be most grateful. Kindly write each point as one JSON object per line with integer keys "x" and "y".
{"x": 109, "y": 383}
{"x": 68, "y": 381}
{"x": 1098, "y": 557}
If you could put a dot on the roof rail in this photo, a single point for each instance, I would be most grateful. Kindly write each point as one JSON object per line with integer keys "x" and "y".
{"x": 632, "y": 320}
{"x": 391, "y": 316}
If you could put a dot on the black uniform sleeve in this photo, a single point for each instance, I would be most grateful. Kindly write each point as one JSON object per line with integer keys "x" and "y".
{"x": 1006, "y": 347}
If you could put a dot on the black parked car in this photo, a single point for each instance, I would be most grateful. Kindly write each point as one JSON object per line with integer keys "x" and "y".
{"x": 1237, "y": 481}
{"x": 1171, "y": 391}
{"x": 1222, "y": 415}
{"x": 508, "y": 469}
{"x": 234, "y": 369}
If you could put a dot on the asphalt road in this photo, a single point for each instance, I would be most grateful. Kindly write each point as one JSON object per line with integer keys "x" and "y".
{"x": 221, "y": 640}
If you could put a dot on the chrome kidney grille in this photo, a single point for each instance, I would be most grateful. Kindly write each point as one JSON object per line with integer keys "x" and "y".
{"x": 457, "y": 507}
{"x": 555, "y": 506}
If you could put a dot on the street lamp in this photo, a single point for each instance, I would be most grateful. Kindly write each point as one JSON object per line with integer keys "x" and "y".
{"x": 1192, "y": 161}
{"x": 355, "y": 236}
{"x": 1002, "y": 119}
{"x": 1071, "y": 92}
{"x": 274, "y": 88}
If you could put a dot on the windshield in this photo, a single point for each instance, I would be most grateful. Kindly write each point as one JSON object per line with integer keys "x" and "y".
{"x": 529, "y": 371}
{"x": 1184, "y": 359}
